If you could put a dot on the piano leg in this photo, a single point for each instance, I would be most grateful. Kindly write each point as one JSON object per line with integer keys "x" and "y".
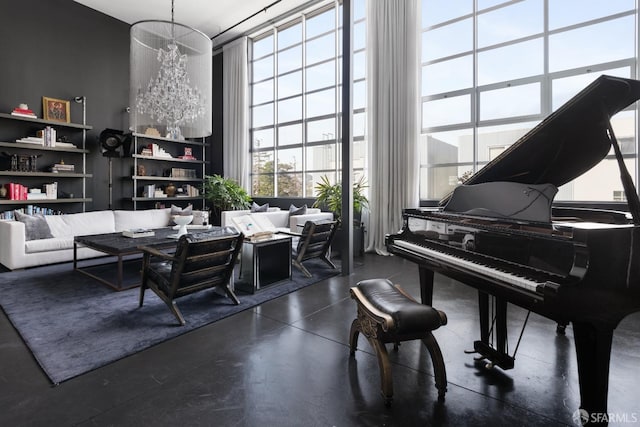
{"x": 593, "y": 352}
{"x": 426, "y": 285}
{"x": 485, "y": 322}
{"x": 501, "y": 325}
{"x": 496, "y": 355}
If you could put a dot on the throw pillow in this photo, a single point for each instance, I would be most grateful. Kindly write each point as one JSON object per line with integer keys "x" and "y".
{"x": 177, "y": 210}
{"x": 297, "y": 211}
{"x": 36, "y": 226}
{"x": 259, "y": 208}
{"x": 200, "y": 218}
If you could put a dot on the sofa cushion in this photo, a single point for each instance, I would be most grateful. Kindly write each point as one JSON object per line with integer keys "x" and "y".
{"x": 47, "y": 245}
{"x": 200, "y": 218}
{"x": 58, "y": 227}
{"x": 85, "y": 223}
{"x": 302, "y": 210}
{"x": 35, "y": 226}
{"x": 177, "y": 210}
{"x": 259, "y": 208}
{"x": 296, "y": 222}
{"x": 146, "y": 218}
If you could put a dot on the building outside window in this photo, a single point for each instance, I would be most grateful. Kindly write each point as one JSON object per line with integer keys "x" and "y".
{"x": 492, "y": 69}
{"x": 296, "y": 73}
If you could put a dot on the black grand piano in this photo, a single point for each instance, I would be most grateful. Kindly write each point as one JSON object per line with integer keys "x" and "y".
{"x": 500, "y": 234}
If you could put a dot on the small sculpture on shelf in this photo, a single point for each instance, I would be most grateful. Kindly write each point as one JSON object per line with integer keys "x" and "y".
{"x": 152, "y": 132}
{"x": 21, "y": 162}
{"x": 170, "y": 189}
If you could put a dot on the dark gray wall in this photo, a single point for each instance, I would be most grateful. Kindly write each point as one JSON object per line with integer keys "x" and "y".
{"x": 60, "y": 49}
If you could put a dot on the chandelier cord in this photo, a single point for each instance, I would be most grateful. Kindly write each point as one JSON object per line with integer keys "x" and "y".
{"x": 173, "y": 36}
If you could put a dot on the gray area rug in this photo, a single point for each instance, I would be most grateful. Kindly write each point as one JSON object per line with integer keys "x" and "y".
{"x": 73, "y": 324}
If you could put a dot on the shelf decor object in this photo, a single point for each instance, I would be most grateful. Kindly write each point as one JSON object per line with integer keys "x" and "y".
{"x": 56, "y": 110}
{"x": 171, "y": 74}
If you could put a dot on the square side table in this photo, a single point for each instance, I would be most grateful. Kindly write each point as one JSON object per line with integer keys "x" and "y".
{"x": 264, "y": 262}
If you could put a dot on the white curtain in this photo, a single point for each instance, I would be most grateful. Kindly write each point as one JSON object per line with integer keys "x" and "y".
{"x": 393, "y": 113}
{"x": 235, "y": 141}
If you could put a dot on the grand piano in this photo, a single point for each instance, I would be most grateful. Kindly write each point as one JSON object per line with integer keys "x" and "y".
{"x": 500, "y": 233}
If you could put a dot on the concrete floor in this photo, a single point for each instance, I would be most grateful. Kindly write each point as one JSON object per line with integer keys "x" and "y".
{"x": 286, "y": 363}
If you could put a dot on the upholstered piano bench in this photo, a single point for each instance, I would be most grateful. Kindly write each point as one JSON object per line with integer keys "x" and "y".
{"x": 386, "y": 314}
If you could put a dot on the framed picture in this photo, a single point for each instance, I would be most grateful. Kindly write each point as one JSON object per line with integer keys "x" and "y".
{"x": 55, "y": 109}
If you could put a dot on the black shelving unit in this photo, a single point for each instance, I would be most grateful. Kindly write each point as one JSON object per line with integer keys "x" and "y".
{"x": 13, "y": 128}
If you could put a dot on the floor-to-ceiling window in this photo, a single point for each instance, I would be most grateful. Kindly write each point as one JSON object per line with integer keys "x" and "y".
{"x": 296, "y": 101}
{"x": 492, "y": 69}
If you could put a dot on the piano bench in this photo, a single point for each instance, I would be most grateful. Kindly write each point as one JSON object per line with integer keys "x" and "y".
{"x": 386, "y": 314}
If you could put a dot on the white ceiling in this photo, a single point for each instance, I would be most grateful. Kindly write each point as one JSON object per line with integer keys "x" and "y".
{"x": 209, "y": 16}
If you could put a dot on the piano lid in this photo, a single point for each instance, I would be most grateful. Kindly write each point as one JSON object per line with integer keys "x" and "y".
{"x": 568, "y": 142}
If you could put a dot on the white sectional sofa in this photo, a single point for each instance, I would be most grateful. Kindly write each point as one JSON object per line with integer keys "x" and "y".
{"x": 280, "y": 218}
{"x": 17, "y": 252}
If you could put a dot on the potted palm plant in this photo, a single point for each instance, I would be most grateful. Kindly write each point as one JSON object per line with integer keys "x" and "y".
{"x": 329, "y": 196}
{"x": 224, "y": 194}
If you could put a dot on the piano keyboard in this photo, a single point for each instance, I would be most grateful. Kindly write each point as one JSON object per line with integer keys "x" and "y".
{"x": 510, "y": 278}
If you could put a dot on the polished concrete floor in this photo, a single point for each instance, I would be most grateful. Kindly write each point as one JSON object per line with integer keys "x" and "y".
{"x": 286, "y": 363}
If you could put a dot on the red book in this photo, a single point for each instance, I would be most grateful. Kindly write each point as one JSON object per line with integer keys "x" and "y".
{"x": 23, "y": 192}
{"x": 22, "y": 110}
{"x": 12, "y": 191}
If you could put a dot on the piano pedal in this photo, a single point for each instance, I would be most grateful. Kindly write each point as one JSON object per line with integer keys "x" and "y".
{"x": 478, "y": 358}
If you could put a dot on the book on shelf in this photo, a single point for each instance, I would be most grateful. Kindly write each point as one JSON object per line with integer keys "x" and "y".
{"x": 31, "y": 140}
{"x": 254, "y": 226}
{"x": 36, "y": 196}
{"x": 51, "y": 190}
{"x": 62, "y": 167}
{"x": 138, "y": 232}
{"x": 65, "y": 144}
{"x": 24, "y": 109}
{"x": 182, "y": 173}
{"x": 16, "y": 191}
{"x": 48, "y": 135}
{"x": 29, "y": 210}
{"x": 159, "y": 193}
{"x": 156, "y": 151}
{"x": 20, "y": 114}
{"x": 149, "y": 191}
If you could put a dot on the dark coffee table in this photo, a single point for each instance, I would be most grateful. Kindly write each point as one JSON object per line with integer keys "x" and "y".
{"x": 115, "y": 244}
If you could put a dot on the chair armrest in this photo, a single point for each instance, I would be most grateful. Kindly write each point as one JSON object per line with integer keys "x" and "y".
{"x": 289, "y": 232}
{"x": 155, "y": 252}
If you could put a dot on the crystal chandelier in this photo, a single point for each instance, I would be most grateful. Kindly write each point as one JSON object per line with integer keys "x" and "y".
{"x": 170, "y": 88}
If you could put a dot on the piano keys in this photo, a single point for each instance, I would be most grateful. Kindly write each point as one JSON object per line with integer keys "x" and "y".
{"x": 501, "y": 234}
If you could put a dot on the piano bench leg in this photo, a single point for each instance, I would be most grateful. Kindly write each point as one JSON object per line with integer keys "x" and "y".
{"x": 370, "y": 332}
{"x": 439, "y": 370}
{"x": 386, "y": 379}
{"x": 353, "y": 337}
